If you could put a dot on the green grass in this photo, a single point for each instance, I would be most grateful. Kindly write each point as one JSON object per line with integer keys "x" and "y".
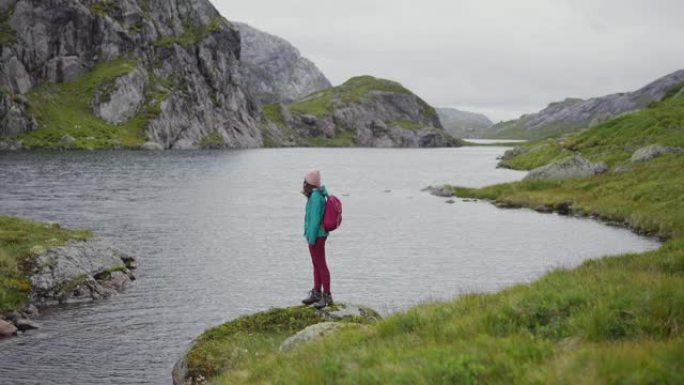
{"x": 65, "y": 109}
{"x": 345, "y": 138}
{"x": 613, "y": 141}
{"x": 105, "y": 7}
{"x": 273, "y": 113}
{"x": 352, "y": 91}
{"x": 192, "y": 34}
{"x": 407, "y": 124}
{"x": 212, "y": 140}
{"x": 7, "y": 34}
{"x": 246, "y": 340}
{"x": 613, "y": 320}
{"x": 20, "y": 242}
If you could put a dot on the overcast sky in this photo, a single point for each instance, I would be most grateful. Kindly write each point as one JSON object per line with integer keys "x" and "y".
{"x": 499, "y": 57}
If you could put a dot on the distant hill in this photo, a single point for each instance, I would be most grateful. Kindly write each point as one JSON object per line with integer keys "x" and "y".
{"x": 463, "y": 124}
{"x": 572, "y": 114}
{"x": 364, "y": 111}
{"x": 274, "y": 70}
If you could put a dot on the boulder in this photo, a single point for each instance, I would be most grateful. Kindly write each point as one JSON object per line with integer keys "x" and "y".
{"x": 310, "y": 333}
{"x": 15, "y": 118}
{"x": 571, "y": 167}
{"x": 24, "y": 324}
{"x": 345, "y": 311}
{"x": 513, "y": 152}
{"x": 68, "y": 139}
{"x": 151, "y": 146}
{"x": 7, "y": 329}
{"x": 653, "y": 151}
{"x": 79, "y": 271}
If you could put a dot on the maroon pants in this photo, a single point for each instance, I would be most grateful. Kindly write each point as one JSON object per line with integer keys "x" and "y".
{"x": 320, "y": 267}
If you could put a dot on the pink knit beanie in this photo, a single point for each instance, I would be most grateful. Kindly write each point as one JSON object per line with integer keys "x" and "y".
{"x": 313, "y": 177}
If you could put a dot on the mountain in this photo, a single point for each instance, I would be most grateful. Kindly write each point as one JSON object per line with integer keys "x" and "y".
{"x": 274, "y": 70}
{"x": 572, "y": 115}
{"x": 157, "y": 74}
{"x": 463, "y": 124}
{"x": 104, "y": 73}
{"x": 364, "y": 111}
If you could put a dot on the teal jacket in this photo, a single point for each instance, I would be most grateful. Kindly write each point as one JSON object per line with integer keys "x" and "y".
{"x": 313, "y": 219}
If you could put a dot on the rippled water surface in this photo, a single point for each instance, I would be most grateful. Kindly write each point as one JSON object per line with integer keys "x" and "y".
{"x": 218, "y": 234}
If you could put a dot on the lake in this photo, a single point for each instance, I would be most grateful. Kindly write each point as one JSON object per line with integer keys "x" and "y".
{"x": 218, "y": 234}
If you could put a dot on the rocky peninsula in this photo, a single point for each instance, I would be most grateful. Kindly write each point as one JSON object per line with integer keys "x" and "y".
{"x": 44, "y": 264}
{"x": 364, "y": 111}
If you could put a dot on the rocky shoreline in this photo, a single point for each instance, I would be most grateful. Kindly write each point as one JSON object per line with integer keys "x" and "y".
{"x": 79, "y": 271}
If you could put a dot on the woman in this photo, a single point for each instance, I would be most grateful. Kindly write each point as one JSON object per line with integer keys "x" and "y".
{"x": 316, "y": 236}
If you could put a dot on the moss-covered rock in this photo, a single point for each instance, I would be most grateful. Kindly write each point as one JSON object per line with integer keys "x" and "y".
{"x": 239, "y": 342}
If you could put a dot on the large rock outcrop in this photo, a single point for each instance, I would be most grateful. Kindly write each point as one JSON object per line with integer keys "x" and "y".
{"x": 572, "y": 114}
{"x": 274, "y": 70}
{"x": 79, "y": 271}
{"x": 364, "y": 111}
{"x": 464, "y": 124}
{"x": 653, "y": 151}
{"x": 187, "y": 68}
{"x": 574, "y": 166}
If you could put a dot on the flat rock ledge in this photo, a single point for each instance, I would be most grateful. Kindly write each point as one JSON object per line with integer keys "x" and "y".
{"x": 79, "y": 271}
{"x": 574, "y": 166}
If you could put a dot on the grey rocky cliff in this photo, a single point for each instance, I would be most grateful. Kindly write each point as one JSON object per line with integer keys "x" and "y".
{"x": 190, "y": 52}
{"x": 571, "y": 114}
{"x": 274, "y": 70}
{"x": 464, "y": 124}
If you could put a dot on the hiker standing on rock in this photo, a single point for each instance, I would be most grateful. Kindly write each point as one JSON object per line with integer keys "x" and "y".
{"x": 316, "y": 232}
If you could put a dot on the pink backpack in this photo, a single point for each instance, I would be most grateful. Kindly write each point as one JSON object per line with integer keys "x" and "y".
{"x": 332, "y": 218}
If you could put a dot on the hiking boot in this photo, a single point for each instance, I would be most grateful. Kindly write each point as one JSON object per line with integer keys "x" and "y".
{"x": 326, "y": 300}
{"x": 314, "y": 296}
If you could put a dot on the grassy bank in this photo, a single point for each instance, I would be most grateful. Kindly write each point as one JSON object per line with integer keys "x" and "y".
{"x": 647, "y": 198}
{"x": 21, "y": 241}
{"x": 614, "y": 320}
{"x": 613, "y": 141}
